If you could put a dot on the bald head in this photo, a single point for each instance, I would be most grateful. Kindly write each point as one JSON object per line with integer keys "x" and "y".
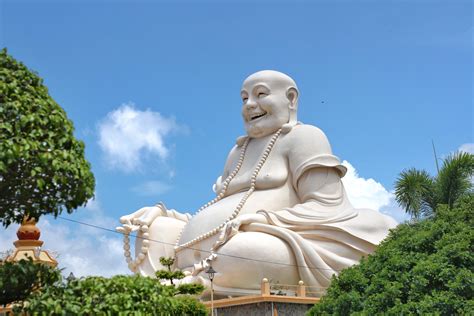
{"x": 272, "y": 77}
{"x": 270, "y": 101}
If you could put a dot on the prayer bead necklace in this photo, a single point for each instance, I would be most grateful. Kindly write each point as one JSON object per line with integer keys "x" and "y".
{"x": 225, "y": 184}
{"x": 133, "y": 264}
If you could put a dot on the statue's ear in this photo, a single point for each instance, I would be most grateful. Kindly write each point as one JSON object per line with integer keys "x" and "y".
{"x": 292, "y": 95}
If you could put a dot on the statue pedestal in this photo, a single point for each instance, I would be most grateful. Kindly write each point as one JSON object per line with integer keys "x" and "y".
{"x": 267, "y": 303}
{"x": 263, "y": 305}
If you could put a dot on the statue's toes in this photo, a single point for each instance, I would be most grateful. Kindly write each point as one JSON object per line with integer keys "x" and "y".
{"x": 121, "y": 229}
{"x": 130, "y": 228}
{"x": 142, "y": 221}
{"x": 193, "y": 280}
{"x": 125, "y": 220}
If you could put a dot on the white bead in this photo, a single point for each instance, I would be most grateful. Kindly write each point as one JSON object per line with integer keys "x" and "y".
{"x": 144, "y": 249}
{"x": 126, "y": 247}
{"x": 141, "y": 256}
{"x": 146, "y": 235}
{"x": 127, "y": 253}
{"x": 145, "y": 242}
{"x": 144, "y": 228}
{"x": 131, "y": 266}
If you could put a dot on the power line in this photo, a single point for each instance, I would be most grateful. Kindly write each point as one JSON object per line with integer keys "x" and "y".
{"x": 195, "y": 249}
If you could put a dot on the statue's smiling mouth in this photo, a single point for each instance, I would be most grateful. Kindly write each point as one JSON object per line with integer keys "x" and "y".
{"x": 256, "y": 116}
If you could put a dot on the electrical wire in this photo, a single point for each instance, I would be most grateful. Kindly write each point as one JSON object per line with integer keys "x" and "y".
{"x": 196, "y": 249}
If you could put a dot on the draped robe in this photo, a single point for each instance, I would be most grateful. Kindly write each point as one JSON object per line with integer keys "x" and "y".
{"x": 324, "y": 231}
{"x": 308, "y": 218}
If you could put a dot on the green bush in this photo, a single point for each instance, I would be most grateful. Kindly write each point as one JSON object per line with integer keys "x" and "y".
{"x": 19, "y": 279}
{"x": 421, "y": 268}
{"x": 171, "y": 276}
{"x": 42, "y": 165}
{"x": 124, "y": 295}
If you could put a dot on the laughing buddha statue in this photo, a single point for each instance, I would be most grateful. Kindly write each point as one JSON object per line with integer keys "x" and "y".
{"x": 280, "y": 212}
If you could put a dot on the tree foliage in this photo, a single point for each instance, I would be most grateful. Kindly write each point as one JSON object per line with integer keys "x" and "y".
{"x": 19, "y": 279}
{"x": 42, "y": 165}
{"x": 422, "y": 268}
{"x": 125, "y": 295}
{"x": 420, "y": 194}
{"x": 170, "y": 275}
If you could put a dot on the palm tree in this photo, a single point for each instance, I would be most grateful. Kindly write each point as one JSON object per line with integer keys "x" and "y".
{"x": 420, "y": 194}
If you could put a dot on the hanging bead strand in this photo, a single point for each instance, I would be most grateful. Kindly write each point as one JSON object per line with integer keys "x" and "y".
{"x": 242, "y": 202}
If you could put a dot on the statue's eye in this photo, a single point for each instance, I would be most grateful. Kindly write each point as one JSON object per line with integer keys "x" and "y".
{"x": 245, "y": 99}
{"x": 262, "y": 94}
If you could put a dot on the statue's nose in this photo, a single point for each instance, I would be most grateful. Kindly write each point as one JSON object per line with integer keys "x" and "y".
{"x": 250, "y": 105}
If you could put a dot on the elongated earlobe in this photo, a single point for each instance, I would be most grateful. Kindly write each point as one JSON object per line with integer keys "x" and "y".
{"x": 292, "y": 95}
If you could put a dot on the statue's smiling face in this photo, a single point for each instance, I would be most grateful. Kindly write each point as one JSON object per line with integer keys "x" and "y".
{"x": 266, "y": 106}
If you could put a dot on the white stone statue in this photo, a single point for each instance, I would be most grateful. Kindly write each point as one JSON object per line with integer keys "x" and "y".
{"x": 280, "y": 212}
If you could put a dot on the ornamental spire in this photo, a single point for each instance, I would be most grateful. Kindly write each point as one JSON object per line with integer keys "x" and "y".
{"x": 28, "y": 244}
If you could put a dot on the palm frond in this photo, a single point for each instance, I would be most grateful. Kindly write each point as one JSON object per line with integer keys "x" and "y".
{"x": 455, "y": 177}
{"x": 414, "y": 192}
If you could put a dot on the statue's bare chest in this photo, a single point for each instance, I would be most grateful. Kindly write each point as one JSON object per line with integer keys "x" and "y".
{"x": 274, "y": 172}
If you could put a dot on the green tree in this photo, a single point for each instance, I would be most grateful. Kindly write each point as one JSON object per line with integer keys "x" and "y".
{"x": 420, "y": 194}
{"x": 422, "y": 268}
{"x": 124, "y": 295}
{"x": 170, "y": 275}
{"x": 19, "y": 279}
{"x": 42, "y": 165}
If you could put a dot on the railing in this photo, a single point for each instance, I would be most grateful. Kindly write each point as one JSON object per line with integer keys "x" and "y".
{"x": 299, "y": 290}
{"x": 283, "y": 289}
{"x": 313, "y": 291}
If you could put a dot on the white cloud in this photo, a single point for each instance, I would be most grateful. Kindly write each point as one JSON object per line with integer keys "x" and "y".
{"x": 151, "y": 188}
{"x": 127, "y": 135}
{"x": 93, "y": 205}
{"x": 83, "y": 250}
{"x": 368, "y": 193}
{"x": 364, "y": 193}
{"x": 467, "y": 148}
{"x": 7, "y": 237}
{"x": 394, "y": 210}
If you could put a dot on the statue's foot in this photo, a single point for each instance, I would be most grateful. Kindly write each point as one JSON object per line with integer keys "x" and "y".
{"x": 190, "y": 279}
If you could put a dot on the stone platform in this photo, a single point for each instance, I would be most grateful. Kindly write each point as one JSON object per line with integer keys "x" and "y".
{"x": 262, "y": 305}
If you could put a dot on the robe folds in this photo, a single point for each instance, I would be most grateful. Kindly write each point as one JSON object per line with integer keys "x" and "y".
{"x": 324, "y": 231}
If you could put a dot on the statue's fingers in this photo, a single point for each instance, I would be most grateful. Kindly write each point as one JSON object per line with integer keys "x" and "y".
{"x": 233, "y": 232}
{"x": 125, "y": 219}
{"x": 236, "y": 224}
{"x": 228, "y": 230}
{"x": 131, "y": 228}
{"x": 121, "y": 229}
{"x": 149, "y": 216}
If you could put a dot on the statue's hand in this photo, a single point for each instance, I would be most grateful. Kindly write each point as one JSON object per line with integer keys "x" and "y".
{"x": 142, "y": 217}
{"x": 232, "y": 227}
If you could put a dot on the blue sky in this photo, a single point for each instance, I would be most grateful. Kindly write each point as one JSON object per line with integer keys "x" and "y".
{"x": 381, "y": 79}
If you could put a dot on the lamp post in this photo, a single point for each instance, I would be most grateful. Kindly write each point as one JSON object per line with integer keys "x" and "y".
{"x": 211, "y": 272}
{"x": 71, "y": 277}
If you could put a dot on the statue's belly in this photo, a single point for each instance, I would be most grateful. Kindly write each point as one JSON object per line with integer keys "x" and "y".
{"x": 214, "y": 215}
